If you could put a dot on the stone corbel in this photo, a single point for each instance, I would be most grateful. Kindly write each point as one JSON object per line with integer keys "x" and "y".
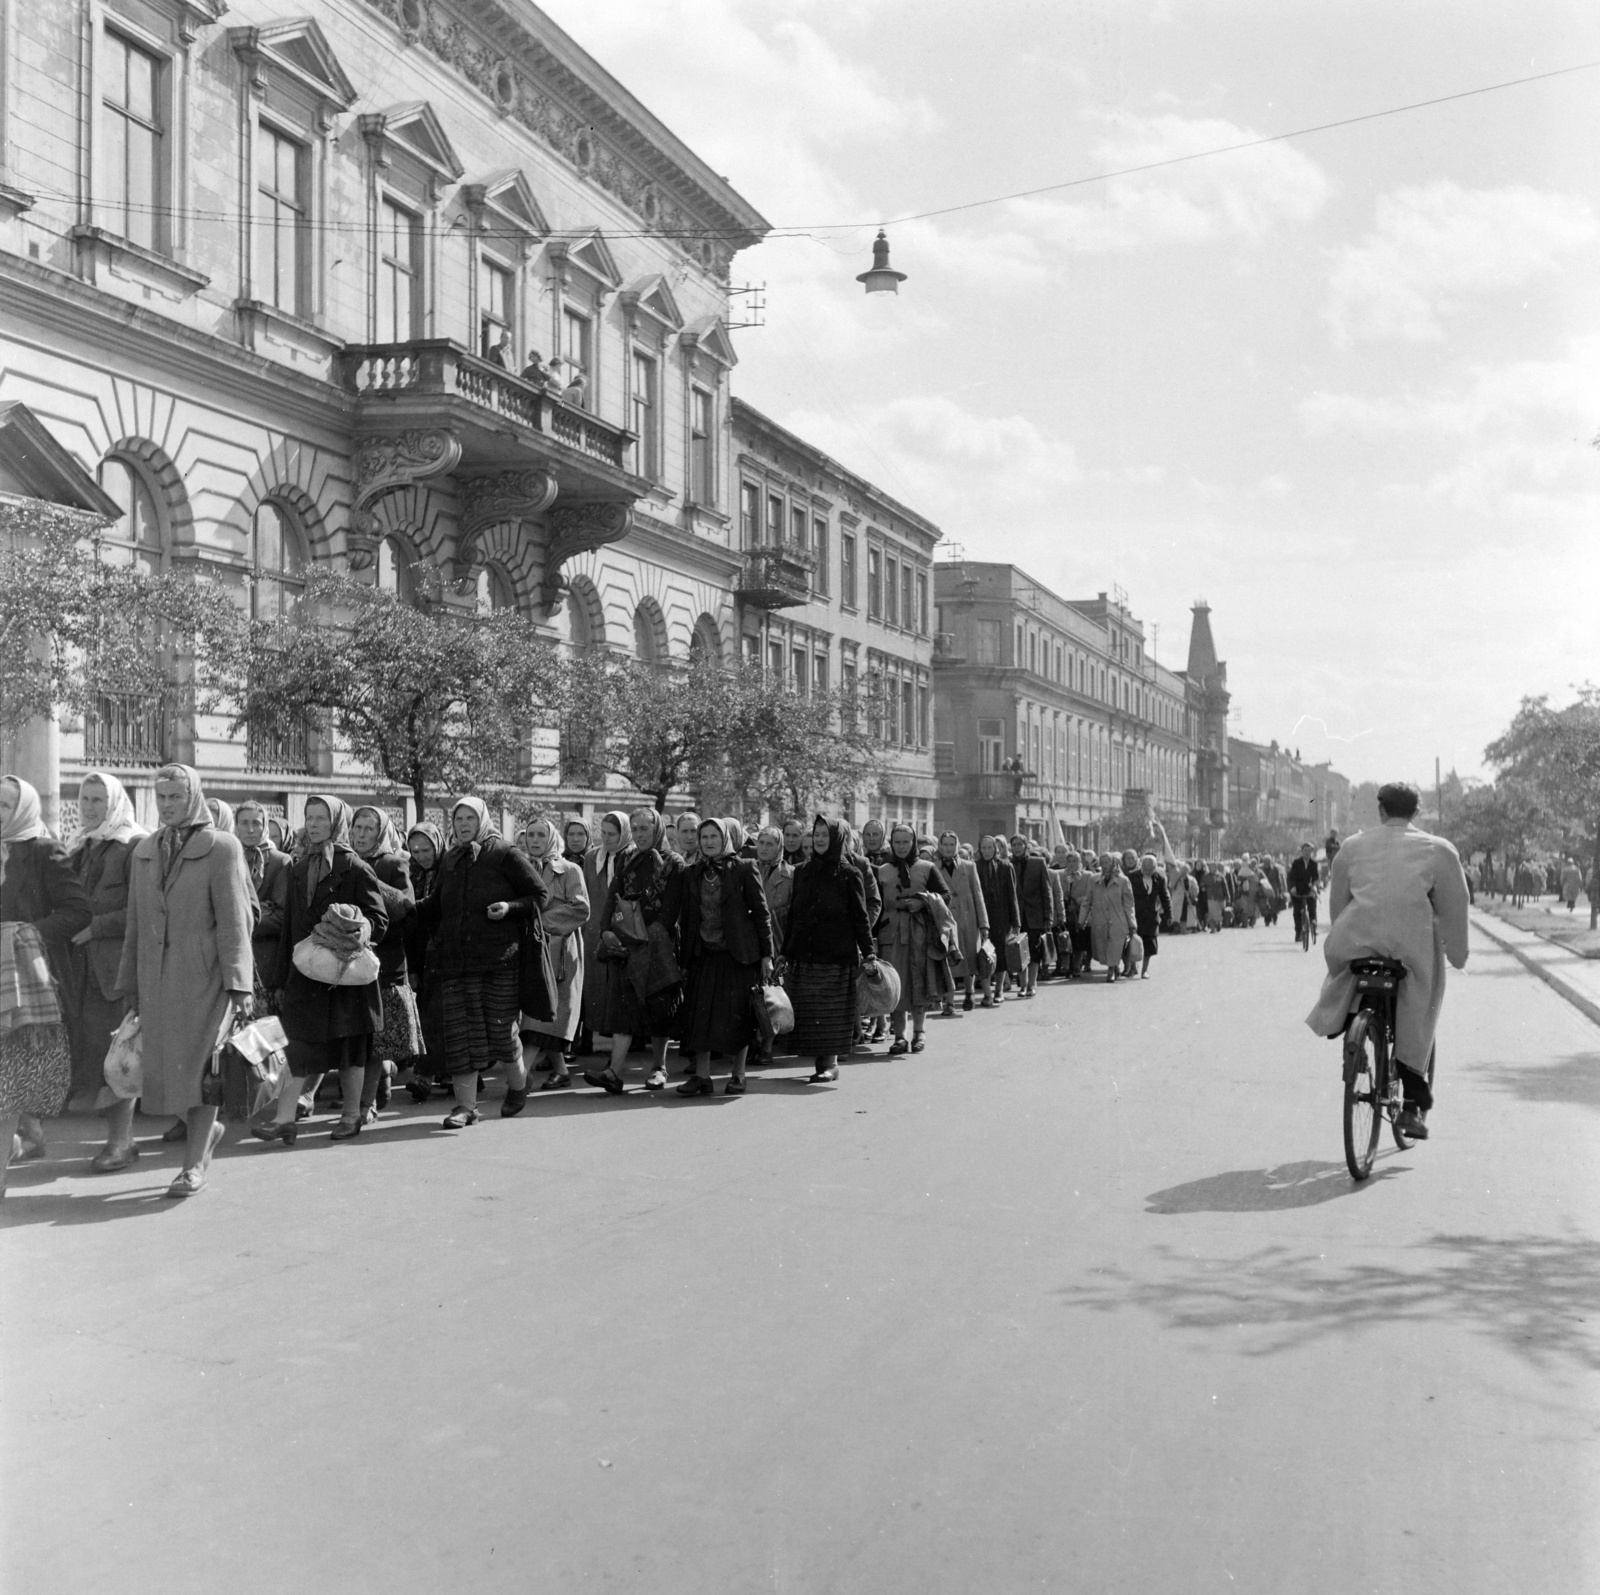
{"x": 489, "y": 500}
{"x": 575, "y": 529}
{"x": 384, "y": 464}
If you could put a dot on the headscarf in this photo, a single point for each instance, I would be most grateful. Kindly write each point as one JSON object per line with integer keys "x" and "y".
{"x": 388, "y": 838}
{"x": 223, "y": 818}
{"x": 487, "y": 830}
{"x": 724, "y": 860}
{"x": 422, "y": 879}
{"x": 658, "y": 826}
{"x": 620, "y": 820}
{"x": 831, "y": 862}
{"x": 693, "y": 819}
{"x": 255, "y": 856}
{"x": 902, "y": 866}
{"x": 27, "y": 820}
{"x": 955, "y": 852}
{"x": 197, "y": 817}
{"x": 734, "y": 831}
{"x": 567, "y": 852}
{"x": 993, "y": 844}
{"x": 338, "y": 836}
{"x": 545, "y": 825}
{"x": 278, "y": 832}
{"x": 119, "y": 824}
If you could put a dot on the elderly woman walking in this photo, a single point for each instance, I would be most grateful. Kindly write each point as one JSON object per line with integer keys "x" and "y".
{"x": 425, "y": 847}
{"x": 601, "y": 867}
{"x": 566, "y": 912}
{"x": 486, "y": 893}
{"x": 1077, "y": 884}
{"x": 1111, "y": 915}
{"x": 998, "y": 883}
{"x": 971, "y": 914}
{"x": 100, "y": 855}
{"x": 908, "y": 939}
{"x": 399, "y": 1039}
{"x": 725, "y": 930}
{"x": 42, "y": 906}
{"x": 1152, "y": 907}
{"x": 636, "y": 935}
{"x": 775, "y": 869}
{"x": 186, "y": 964}
{"x": 334, "y": 899}
{"x": 827, "y": 943}
{"x": 269, "y": 867}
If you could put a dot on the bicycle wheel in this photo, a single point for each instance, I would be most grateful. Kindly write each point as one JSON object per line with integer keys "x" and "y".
{"x": 1305, "y": 933}
{"x": 1363, "y": 1081}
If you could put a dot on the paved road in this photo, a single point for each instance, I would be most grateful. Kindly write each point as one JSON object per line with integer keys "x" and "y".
{"x": 1079, "y": 1300}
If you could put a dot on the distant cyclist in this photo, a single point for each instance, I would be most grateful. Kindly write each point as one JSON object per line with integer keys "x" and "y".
{"x": 1396, "y": 892}
{"x": 1305, "y": 881}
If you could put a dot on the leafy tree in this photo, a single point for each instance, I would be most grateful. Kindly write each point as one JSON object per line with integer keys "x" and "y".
{"x": 1247, "y": 834}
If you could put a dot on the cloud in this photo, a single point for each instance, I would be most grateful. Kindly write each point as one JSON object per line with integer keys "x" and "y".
{"x": 1247, "y": 193}
{"x": 1436, "y": 246}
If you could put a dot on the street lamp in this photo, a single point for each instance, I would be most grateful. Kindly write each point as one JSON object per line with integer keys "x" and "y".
{"x": 882, "y": 279}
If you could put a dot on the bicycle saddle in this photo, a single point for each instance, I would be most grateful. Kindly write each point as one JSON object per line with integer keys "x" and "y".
{"x": 1388, "y": 967}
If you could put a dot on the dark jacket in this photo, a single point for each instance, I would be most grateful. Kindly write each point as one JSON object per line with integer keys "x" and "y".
{"x": 272, "y": 892}
{"x": 746, "y": 920}
{"x": 828, "y": 920}
{"x": 310, "y": 1011}
{"x": 1152, "y": 904}
{"x": 464, "y": 940}
{"x": 1033, "y": 892}
{"x": 865, "y": 868}
{"x": 999, "y": 882}
{"x": 103, "y": 869}
{"x": 41, "y": 890}
{"x": 394, "y": 882}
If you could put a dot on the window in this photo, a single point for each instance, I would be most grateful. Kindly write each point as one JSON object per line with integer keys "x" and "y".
{"x": 797, "y": 527}
{"x": 399, "y": 274}
{"x": 135, "y": 132}
{"x": 775, "y": 661}
{"x": 774, "y": 519}
{"x": 987, "y": 636}
{"x": 891, "y": 704}
{"x": 819, "y": 547}
{"x": 135, "y": 540}
{"x": 576, "y": 344}
{"x": 847, "y": 570}
{"x": 645, "y": 401}
{"x": 991, "y": 741}
{"x": 752, "y": 650}
{"x": 496, "y": 289}
{"x": 1016, "y": 658}
{"x": 908, "y": 729}
{"x": 494, "y": 590}
{"x": 702, "y": 453}
{"x": 1033, "y": 652}
{"x": 394, "y": 569}
{"x": 891, "y": 593}
{"x": 750, "y": 513}
{"x": 277, "y": 562}
{"x": 875, "y": 583}
{"x": 922, "y": 716}
{"x": 847, "y": 689}
{"x": 922, "y": 603}
{"x": 282, "y": 221}
{"x": 819, "y": 674}
{"x": 801, "y": 674}
{"x": 1059, "y": 667}
{"x": 908, "y": 613}
{"x": 645, "y": 642}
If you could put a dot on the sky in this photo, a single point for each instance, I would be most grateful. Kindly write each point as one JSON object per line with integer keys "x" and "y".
{"x": 1344, "y": 387}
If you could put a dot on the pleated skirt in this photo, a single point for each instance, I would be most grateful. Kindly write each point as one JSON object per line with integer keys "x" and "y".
{"x": 717, "y": 1014}
{"x": 826, "y": 1007}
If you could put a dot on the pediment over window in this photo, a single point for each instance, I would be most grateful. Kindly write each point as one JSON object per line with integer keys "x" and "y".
{"x": 709, "y": 337}
{"x": 504, "y": 203}
{"x": 414, "y": 135}
{"x": 590, "y": 256}
{"x": 297, "y": 51}
{"x": 651, "y": 297}
{"x": 34, "y": 466}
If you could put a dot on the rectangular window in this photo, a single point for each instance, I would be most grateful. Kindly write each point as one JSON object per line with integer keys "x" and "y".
{"x": 908, "y": 728}
{"x": 135, "y": 131}
{"x": 797, "y": 527}
{"x": 775, "y": 661}
{"x": 645, "y": 424}
{"x": 991, "y": 742}
{"x": 847, "y": 693}
{"x": 908, "y": 612}
{"x": 750, "y": 514}
{"x": 987, "y": 639}
{"x": 1033, "y": 652}
{"x": 1016, "y": 658}
{"x": 752, "y": 650}
{"x": 891, "y": 703}
{"x": 702, "y": 449}
{"x": 496, "y": 293}
{"x": 819, "y": 547}
{"x": 774, "y": 520}
{"x": 922, "y": 717}
{"x": 847, "y": 570}
{"x": 801, "y": 674}
{"x": 399, "y": 274}
{"x": 922, "y": 604}
{"x": 875, "y": 583}
{"x": 577, "y": 348}
{"x": 282, "y": 226}
{"x": 819, "y": 674}
{"x": 891, "y": 593}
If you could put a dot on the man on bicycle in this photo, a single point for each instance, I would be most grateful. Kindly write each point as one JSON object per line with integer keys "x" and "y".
{"x": 1305, "y": 882}
{"x": 1396, "y": 892}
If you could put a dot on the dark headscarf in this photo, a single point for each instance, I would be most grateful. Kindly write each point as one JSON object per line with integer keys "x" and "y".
{"x": 422, "y": 879}
{"x": 902, "y": 866}
{"x": 728, "y": 857}
{"x": 566, "y": 849}
{"x": 831, "y": 862}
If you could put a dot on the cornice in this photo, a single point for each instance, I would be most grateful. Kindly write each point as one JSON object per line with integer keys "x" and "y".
{"x": 648, "y": 534}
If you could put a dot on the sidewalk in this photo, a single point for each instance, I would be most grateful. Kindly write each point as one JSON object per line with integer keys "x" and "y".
{"x": 1564, "y": 969}
{"x": 1552, "y": 921}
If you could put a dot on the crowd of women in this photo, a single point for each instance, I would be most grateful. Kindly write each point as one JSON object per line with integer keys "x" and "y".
{"x": 484, "y": 955}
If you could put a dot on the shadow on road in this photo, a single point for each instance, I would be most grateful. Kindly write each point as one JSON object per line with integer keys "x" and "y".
{"x": 1262, "y": 1190}
{"x": 1574, "y": 1079}
{"x": 1537, "y": 1296}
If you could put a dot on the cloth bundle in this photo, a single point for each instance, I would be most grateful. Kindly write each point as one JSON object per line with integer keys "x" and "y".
{"x": 342, "y": 930}
{"x": 336, "y": 952}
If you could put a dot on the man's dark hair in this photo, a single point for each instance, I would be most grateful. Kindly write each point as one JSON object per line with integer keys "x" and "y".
{"x": 1399, "y": 799}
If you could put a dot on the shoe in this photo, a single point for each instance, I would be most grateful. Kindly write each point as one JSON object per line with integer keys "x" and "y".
{"x": 988, "y": 1002}
{"x": 1111, "y": 977}
{"x": 694, "y": 1086}
{"x": 385, "y": 1086}
{"x": 1413, "y": 1122}
{"x": 345, "y": 1130}
{"x": 556, "y": 1082}
{"x": 369, "y": 1115}
{"x": 112, "y": 1160}
{"x": 823, "y": 1076}
{"x": 25, "y": 1151}
{"x": 733, "y": 1088}
{"x": 606, "y": 1079}
{"x": 175, "y": 1132}
{"x": 656, "y": 1080}
{"x": 918, "y": 1043}
{"x": 948, "y": 1011}
{"x": 287, "y": 1133}
{"x": 458, "y": 1118}
{"x": 302, "y": 1110}
{"x": 966, "y": 1006}
{"x": 514, "y": 1103}
{"x": 419, "y": 1090}
{"x": 188, "y": 1183}
{"x": 899, "y": 1046}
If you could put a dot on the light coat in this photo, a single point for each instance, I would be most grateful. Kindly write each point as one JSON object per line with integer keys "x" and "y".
{"x": 1110, "y": 917}
{"x": 777, "y": 881}
{"x": 566, "y": 918}
{"x": 967, "y": 904}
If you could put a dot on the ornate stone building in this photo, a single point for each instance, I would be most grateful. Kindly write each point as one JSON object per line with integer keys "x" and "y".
{"x": 270, "y": 277}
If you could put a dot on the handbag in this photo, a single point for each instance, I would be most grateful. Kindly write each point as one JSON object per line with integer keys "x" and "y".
{"x": 124, "y": 1067}
{"x": 536, "y": 974}
{"x": 324, "y": 965}
{"x": 627, "y": 920}
{"x": 1016, "y": 953}
{"x": 774, "y": 1013}
{"x": 878, "y": 990}
{"x": 984, "y": 958}
{"x": 249, "y": 1069}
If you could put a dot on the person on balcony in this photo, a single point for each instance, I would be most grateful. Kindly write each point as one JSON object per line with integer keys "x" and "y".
{"x": 908, "y": 938}
{"x": 399, "y": 1037}
{"x": 535, "y": 370}
{"x": 971, "y": 914}
{"x": 565, "y": 915}
{"x": 42, "y": 907}
{"x": 577, "y": 386}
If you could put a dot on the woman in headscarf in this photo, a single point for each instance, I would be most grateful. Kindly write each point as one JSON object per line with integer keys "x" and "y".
{"x": 330, "y": 1027}
{"x": 873, "y": 847}
{"x": 970, "y": 910}
{"x": 42, "y": 907}
{"x": 636, "y": 927}
{"x": 399, "y": 1038}
{"x": 99, "y": 855}
{"x": 998, "y": 883}
{"x": 565, "y": 914}
{"x": 221, "y": 815}
{"x": 827, "y": 944}
{"x": 574, "y": 842}
{"x": 725, "y": 930}
{"x": 425, "y": 845}
{"x": 269, "y": 879}
{"x": 856, "y": 857}
{"x": 600, "y": 870}
{"x": 186, "y": 963}
{"x": 796, "y": 846}
{"x": 1076, "y": 885}
{"x": 775, "y": 870}
{"x": 908, "y": 938}
{"x": 486, "y": 893}
{"x": 1111, "y": 917}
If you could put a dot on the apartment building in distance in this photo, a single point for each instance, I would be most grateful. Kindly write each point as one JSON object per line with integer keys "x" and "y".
{"x": 1276, "y": 787}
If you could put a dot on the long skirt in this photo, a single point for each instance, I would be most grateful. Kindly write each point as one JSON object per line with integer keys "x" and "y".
{"x": 94, "y": 1020}
{"x": 400, "y": 1034}
{"x": 329, "y": 1057}
{"x": 618, "y": 1011}
{"x": 717, "y": 1014}
{"x": 35, "y": 1071}
{"x": 826, "y": 1009}
{"x": 480, "y": 1020}
{"x": 1214, "y": 912}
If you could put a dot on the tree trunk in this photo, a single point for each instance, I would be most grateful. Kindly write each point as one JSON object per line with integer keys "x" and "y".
{"x": 1594, "y": 878}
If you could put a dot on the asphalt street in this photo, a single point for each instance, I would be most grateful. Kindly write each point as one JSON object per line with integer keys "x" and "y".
{"x": 1080, "y": 1299}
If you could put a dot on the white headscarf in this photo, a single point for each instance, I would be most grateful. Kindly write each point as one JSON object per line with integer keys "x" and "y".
{"x": 27, "y": 821}
{"x": 119, "y": 824}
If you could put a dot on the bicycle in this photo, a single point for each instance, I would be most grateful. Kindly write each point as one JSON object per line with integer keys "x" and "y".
{"x": 1305, "y": 916}
{"x": 1372, "y": 1090}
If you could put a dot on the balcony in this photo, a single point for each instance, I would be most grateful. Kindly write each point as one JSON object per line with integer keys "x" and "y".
{"x": 776, "y": 577}
{"x": 1004, "y": 786}
{"x": 125, "y": 728}
{"x": 279, "y": 752}
{"x": 947, "y": 650}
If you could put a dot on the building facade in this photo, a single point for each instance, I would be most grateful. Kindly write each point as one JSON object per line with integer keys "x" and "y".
{"x": 271, "y": 278}
{"x": 1276, "y": 787}
{"x": 1050, "y": 714}
{"x": 1206, "y": 687}
{"x": 836, "y": 592}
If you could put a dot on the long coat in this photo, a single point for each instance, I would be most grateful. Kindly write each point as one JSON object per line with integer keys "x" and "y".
{"x": 566, "y": 917}
{"x": 1110, "y": 917}
{"x": 777, "y": 881}
{"x": 187, "y": 947}
{"x": 1394, "y": 892}
{"x": 998, "y": 882}
{"x": 1033, "y": 893}
{"x": 1152, "y": 906}
{"x": 908, "y": 938}
{"x": 597, "y": 884}
{"x": 96, "y": 1010}
{"x": 967, "y": 904}
{"x": 272, "y": 893}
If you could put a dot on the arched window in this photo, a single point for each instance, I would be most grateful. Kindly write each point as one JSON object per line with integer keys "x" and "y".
{"x": 494, "y": 590}
{"x": 278, "y": 561}
{"x": 705, "y": 641}
{"x": 394, "y": 569}
{"x": 136, "y": 538}
{"x": 644, "y": 637}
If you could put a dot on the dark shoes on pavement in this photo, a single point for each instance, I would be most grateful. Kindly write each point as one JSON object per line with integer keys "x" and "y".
{"x": 113, "y": 1159}
{"x": 607, "y": 1079}
{"x": 1413, "y": 1122}
{"x": 459, "y": 1118}
{"x": 514, "y": 1103}
{"x": 695, "y": 1086}
{"x": 276, "y": 1132}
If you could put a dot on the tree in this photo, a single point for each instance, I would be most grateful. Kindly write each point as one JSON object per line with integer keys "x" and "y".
{"x": 1556, "y": 754}
{"x": 420, "y": 696}
{"x": 1247, "y": 834}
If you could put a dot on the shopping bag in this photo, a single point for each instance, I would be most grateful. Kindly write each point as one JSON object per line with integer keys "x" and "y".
{"x": 1016, "y": 953}
{"x": 984, "y": 958}
{"x": 324, "y": 965}
{"x": 878, "y": 990}
{"x": 774, "y": 1013}
{"x": 536, "y": 974}
{"x": 124, "y": 1068}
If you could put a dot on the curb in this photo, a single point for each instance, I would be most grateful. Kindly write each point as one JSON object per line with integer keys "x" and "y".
{"x": 1585, "y": 1005}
